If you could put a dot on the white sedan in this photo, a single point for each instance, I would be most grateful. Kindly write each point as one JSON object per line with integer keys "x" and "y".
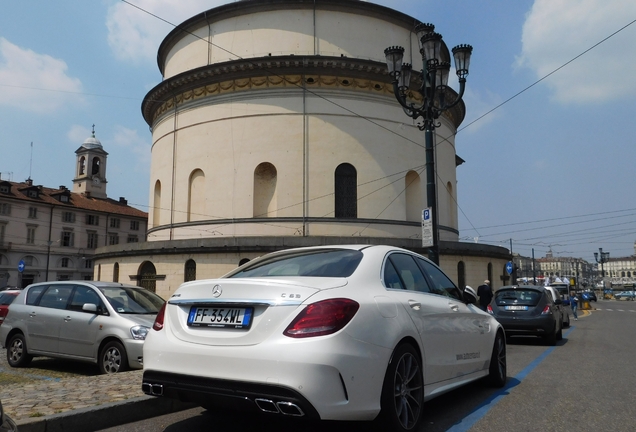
{"x": 332, "y": 333}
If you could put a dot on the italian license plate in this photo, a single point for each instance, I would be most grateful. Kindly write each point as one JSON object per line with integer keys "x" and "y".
{"x": 513, "y": 308}
{"x": 220, "y": 317}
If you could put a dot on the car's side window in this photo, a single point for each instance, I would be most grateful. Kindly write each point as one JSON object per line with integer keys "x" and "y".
{"x": 56, "y": 296}
{"x": 440, "y": 283}
{"x": 34, "y": 294}
{"x": 391, "y": 278}
{"x": 83, "y": 295}
{"x": 409, "y": 273}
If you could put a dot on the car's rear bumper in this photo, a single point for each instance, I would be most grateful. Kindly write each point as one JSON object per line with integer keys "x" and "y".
{"x": 538, "y": 326}
{"x": 331, "y": 378}
{"x": 229, "y": 394}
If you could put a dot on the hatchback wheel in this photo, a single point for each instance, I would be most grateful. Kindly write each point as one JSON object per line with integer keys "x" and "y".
{"x": 17, "y": 355}
{"x": 498, "y": 371}
{"x": 113, "y": 358}
{"x": 403, "y": 390}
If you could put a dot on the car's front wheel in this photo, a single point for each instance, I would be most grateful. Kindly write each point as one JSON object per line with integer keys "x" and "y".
{"x": 113, "y": 358}
{"x": 498, "y": 371}
{"x": 17, "y": 354}
{"x": 403, "y": 390}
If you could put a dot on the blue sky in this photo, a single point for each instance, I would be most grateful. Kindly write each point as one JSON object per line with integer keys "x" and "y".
{"x": 551, "y": 169}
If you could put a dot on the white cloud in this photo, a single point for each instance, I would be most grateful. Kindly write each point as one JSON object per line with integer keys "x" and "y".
{"x": 34, "y": 82}
{"x": 556, "y": 31}
{"x": 131, "y": 140}
{"x": 134, "y": 34}
{"x": 78, "y": 134}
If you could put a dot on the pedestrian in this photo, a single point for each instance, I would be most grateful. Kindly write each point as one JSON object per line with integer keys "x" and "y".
{"x": 485, "y": 294}
{"x": 573, "y": 304}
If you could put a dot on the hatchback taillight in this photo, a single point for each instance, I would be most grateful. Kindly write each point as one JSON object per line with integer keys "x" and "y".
{"x": 489, "y": 310}
{"x": 158, "y": 325}
{"x": 546, "y": 310}
{"x": 322, "y": 318}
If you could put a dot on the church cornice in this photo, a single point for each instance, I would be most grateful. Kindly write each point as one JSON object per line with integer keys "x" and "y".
{"x": 293, "y": 72}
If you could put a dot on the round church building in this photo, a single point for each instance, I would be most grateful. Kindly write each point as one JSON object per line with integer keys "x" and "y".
{"x": 276, "y": 126}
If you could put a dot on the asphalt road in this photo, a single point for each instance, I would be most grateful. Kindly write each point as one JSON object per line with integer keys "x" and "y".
{"x": 585, "y": 383}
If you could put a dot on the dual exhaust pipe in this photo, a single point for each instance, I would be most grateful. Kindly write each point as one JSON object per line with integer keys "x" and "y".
{"x": 281, "y": 407}
{"x": 265, "y": 405}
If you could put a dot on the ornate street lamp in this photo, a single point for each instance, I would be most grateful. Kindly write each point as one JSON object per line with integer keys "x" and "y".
{"x": 434, "y": 91}
{"x": 602, "y": 257}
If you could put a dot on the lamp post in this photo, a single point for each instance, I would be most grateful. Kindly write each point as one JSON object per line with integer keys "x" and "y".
{"x": 434, "y": 91}
{"x": 602, "y": 257}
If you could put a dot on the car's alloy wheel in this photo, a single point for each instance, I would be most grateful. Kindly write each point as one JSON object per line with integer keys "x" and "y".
{"x": 17, "y": 355}
{"x": 403, "y": 390}
{"x": 113, "y": 358}
{"x": 498, "y": 371}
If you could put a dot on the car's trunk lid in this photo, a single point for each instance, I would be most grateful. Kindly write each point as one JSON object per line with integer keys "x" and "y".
{"x": 241, "y": 311}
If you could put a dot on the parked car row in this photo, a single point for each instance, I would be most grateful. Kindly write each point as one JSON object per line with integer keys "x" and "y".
{"x": 354, "y": 332}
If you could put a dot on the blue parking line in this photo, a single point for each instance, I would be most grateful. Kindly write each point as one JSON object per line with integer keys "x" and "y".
{"x": 481, "y": 410}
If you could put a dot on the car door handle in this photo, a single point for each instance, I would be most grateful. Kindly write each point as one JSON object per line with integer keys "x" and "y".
{"x": 415, "y": 304}
{"x": 32, "y": 314}
{"x": 454, "y": 308}
{"x": 67, "y": 319}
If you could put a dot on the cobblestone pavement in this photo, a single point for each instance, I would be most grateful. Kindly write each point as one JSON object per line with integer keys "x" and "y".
{"x": 51, "y": 386}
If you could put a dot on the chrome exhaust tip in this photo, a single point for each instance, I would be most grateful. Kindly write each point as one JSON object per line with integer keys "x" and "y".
{"x": 290, "y": 409}
{"x": 266, "y": 405}
{"x": 152, "y": 389}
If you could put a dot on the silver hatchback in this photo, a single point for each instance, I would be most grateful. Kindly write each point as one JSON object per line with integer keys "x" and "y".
{"x": 99, "y": 322}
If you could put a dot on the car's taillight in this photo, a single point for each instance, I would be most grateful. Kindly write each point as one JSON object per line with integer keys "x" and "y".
{"x": 322, "y": 318}
{"x": 546, "y": 310}
{"x": 489, "y": 310}
{"x": 158, "y": 325}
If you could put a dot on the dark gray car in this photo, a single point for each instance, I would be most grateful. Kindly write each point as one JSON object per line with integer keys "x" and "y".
{"x": 99, "y": 322}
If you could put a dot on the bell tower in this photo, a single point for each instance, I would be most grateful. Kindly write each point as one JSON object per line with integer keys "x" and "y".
{"x": 90, "y": 168}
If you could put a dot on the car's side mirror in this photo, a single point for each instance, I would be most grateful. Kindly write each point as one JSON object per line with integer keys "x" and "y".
{"x": 89, "y": 307}
{"x": 470, "y": 296}
{"x": 558, "y": 301}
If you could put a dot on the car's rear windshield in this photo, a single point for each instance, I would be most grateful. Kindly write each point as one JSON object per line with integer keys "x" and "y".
{"x": 518, "y": 297}
{"x": 7, "y": 298}
{"x": 321, "y": 263}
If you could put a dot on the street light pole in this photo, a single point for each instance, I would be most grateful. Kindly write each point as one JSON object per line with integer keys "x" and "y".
{"x": 602, "y": 257}
{"x": 434, "y": 90}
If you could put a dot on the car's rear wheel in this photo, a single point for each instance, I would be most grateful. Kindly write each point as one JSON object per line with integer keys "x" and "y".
{"x": 113, "y": 358}
{"x": 17, "y": 354}
{"x": 498, "y": 370}
{"x": 403, "y": 390}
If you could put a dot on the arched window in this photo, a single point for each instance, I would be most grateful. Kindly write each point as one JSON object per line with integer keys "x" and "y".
{"x": 82, "y": 165}
{"x": 346, "y": 191}
{"x": 95, "y": 166}
{"x": 243, "y": 261}
{"x": 116, "y": 272}
{"x": 461, "y": 275}
{"x": 413, "y": 195}
{"x": 190, "y": 271}
{"x": 265, "y": 178}
{"x": 147, "y": 276}
{"x": 156, "y": 210}
{"x": 196, "y": 196}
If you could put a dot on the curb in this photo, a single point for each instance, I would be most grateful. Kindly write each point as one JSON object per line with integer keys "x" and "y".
{"x": 104, "y": 416}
